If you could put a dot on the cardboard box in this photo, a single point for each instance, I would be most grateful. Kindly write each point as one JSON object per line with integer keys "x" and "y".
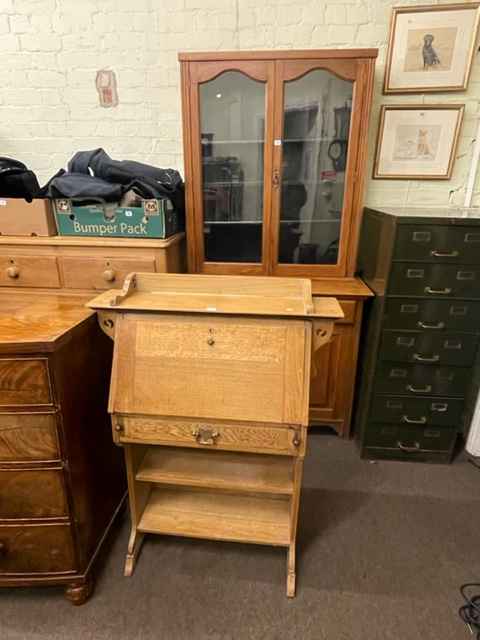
{"x": 21, "y": 218}
{"x": 153, "y": 219}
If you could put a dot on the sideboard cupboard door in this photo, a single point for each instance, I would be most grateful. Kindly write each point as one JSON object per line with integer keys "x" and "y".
{"x": 230, "y": 137}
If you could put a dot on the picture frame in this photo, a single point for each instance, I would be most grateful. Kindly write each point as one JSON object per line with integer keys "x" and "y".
{"x": 417, "y": 141}
{"x": 431, "y": 48}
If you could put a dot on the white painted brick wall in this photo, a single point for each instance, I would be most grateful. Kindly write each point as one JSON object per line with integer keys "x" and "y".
{"x": 52, "y": 49}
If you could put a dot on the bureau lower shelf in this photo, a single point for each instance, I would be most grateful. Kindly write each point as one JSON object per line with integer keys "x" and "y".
{"x": 243, "y": 472}
{"x": 217, "y": 516}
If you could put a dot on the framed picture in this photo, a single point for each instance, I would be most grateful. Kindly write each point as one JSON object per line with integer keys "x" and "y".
{"x": 417, "y": 142}
{"x": 431, "y": 48}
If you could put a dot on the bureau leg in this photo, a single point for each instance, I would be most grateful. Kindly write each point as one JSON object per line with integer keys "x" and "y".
{"x": 291, "y": 575}
{"x": 134, "y": 546}
{"x": 79, "y": 592}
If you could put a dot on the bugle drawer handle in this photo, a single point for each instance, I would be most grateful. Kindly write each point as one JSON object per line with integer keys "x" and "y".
{"x": 444, "y": 254}
{"x": 422, "y": 420}
{"x": 407, "y": 449}
{"x": 204, "y": 435}
{"x": 13, "y": 272}
{"x": 426, "y": 389}
{"x": 418, "y": 358}
{"x": 438, "y": 292}
{"x": 431, "y": 325}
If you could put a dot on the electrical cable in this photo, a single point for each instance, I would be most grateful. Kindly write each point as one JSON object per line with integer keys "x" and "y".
{"x": 470, "y": 611}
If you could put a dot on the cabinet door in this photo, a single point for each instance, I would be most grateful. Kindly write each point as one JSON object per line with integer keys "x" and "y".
{"x": 231, "y": 131}
{"x": 316, "y": 135}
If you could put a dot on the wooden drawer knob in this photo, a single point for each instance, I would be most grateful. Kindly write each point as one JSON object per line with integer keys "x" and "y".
{"x": 109, "y": 275}
{"x": 13, "y": 272}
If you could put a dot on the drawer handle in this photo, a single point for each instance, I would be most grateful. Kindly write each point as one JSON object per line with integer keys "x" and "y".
{"x": 13, "y": 272}
{"x": 119, "y": 428}
{"x": 418, "y": 358}
{"x": 205, "y": 436}
{"x": 3, "y": 549}
{"x": 422, "y": 420}
{"x": 431, "y": 325}
{"x": 407, "y": 449}
{"x": 109, "y": 275}
{"x": 438, "y": 292}
{"x": 426, "y": 389}
{"x": 444, "y": 254}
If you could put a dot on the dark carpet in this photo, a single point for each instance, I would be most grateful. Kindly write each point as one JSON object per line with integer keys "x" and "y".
{"x": 382, "y": 548}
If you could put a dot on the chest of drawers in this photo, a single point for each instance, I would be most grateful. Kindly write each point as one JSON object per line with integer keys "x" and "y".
{"x": 61, "y": 480}
{"x": 420, "y": 345}
{"x": 209, "y": 399}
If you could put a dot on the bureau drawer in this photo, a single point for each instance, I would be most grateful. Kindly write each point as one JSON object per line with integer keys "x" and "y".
{"x": 434, "y": 280}
{"x": 24, "y": 381}
{"x": 29, "y": 271}
{"x": 432, "y": 315}
{"x": 429, "y": 347}
{"x": 417, "y": 411}
{"x": 28, "y": 437}
{"x": 437, "y": 243}
{"x": 101, "y": 273}
{"x": 409, "y": 443}
{"x": 29, "y": 493}
{"x": 30, "y": 549}
{"x": 418, "y": 379}
{"x": 204, "y": 435}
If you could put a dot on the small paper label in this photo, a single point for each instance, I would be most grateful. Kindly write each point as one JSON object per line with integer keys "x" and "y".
{"x": 3, "y": 203}
{"x": 277, "y": 142}
{"x": 211, "y": 308}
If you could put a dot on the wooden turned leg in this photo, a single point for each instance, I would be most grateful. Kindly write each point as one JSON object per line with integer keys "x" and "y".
{"x": 134, "y": 546}
{"x": 79, "y": 592}
{"x": 291, "y": 576}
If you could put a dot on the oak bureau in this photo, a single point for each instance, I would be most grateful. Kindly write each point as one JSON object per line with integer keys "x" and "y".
{"x": 209, "y": 397}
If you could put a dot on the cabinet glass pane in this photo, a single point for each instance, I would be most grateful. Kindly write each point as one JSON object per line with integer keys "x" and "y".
{"x": 232, "y": 123}
{"x": 317, "y": 110}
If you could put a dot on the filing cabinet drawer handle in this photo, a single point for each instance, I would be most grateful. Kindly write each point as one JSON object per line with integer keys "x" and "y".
{"x": 438, "y": 292}
{"x": 422, "y": 420}
{"x": 426, "y": 389}
{"x": 205, "y": 436}
{"x": 430, "y": 325}
{"x": 407, "y": 449}
{"x": 444, "y": 254}
{"x": 418, "y": 358}
{"x": 13, "y": 272}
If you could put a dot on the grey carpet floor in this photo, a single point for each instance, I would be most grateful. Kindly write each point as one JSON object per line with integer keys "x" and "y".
{"x": 383, "y": 549}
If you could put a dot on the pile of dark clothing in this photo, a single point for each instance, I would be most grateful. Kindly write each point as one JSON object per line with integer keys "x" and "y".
{"x": 16, "y": 181}
{"x": 93, "y": 177}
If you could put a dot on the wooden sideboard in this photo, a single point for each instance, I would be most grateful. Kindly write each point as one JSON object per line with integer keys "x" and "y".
{"x": 75, "y": 265}
{"x": 61, "y": 479}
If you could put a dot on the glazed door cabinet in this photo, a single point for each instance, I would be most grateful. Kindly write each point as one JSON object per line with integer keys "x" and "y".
{"x": 275, "y": 146}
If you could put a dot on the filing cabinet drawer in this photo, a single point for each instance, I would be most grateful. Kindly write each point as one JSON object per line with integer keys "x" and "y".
{"x": 417, "y": 411}
{"x": 101, "y": 273}
{"x": 32, "y": 548}
{"x": 434, "y": 280}
{"x": 204, "y": 435}
{"x": 418, "y": 379}
{"x": 32, "y": 493}
{"x": 29, "y": 271}
{"x": 28, "y": 437}
{"x": 432, "y": 315}
{"x": 428, "y": 347}
{"x": 406, "y": 443}
{"x": 24, "y": 381}
{"x": 437, "y": 243}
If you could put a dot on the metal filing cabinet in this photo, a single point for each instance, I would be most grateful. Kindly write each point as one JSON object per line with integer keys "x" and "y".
{"x": 419, "y": 362}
